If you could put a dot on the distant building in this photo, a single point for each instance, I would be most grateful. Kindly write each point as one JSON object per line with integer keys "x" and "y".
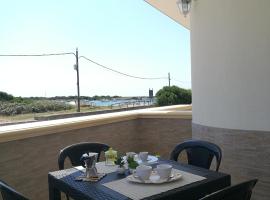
{"x": 151, "y": 94}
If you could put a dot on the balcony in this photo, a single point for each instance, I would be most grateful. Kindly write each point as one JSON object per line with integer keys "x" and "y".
{"x": 29, "y": 151}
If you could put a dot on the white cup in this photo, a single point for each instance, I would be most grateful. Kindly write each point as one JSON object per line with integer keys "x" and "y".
{"x": 130, "y": 154}
{"x": 143, "y": 171}
{"x": 164, "y": 171}
{"x": 143, "y": 156}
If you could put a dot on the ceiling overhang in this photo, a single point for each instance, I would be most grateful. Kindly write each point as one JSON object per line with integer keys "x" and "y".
{"x": 170, "y": 8}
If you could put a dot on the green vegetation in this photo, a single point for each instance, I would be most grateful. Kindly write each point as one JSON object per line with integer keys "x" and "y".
{"x": 31, "y": 116}
{"x": 22, "y": 106}
{"x": 5, "y": 96}
{"x": 132, "y": 164}
{"x": 10, "y": 105}
{"x": 19, "y": 109}
{"x": 70, "y": 98}
{"x": 173, "y": 96}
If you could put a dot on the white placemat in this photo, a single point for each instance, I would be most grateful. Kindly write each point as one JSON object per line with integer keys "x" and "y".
{"x": 101, "y": 168}
{"x": 139, "y": 191}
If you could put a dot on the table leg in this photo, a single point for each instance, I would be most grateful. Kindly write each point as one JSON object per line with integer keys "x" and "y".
{"x": 54, "y": 194}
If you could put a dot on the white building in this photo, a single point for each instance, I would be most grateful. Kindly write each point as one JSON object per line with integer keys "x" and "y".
{"x": 230, "y": 61}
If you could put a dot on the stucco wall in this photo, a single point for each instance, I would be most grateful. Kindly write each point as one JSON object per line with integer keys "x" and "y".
{"x": 230, "y": 45}
{"x": 25, "y": 163}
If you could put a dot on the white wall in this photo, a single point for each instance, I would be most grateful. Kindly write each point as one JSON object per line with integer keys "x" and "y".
{"x": 230, "y": 53}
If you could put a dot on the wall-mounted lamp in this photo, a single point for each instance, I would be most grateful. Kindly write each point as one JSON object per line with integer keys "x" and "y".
{"x": 184, "y": 6}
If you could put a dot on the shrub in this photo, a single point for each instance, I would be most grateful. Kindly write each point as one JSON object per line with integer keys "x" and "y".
{"x": 5, "y": 96}
{"x": 173, "y": 95}
{"x": 38, "y": 106}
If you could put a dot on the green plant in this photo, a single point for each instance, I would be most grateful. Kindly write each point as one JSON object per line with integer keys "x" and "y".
{"x": 5, "y": 96}
{"x": 132, "y": 164}
{"x": 173, "y": 95}
{"x": 157, "y": 155}
{"x": 120, "y": 161}
{"x": 22, "y": 106}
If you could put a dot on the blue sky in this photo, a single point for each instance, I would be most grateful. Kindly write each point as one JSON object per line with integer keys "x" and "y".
{"x": 127, "y": 35}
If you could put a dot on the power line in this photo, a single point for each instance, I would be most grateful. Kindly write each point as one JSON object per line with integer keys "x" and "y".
{"x": 54, "y": 54}
{"x": 44, "y": 54}
{"x": 103, "y": 66}
{"x": 128, "y": 75}
{"x": 180, "y": 81}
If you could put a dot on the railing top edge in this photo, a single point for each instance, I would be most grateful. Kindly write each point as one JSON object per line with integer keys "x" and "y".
{"x": 21, "y": 131}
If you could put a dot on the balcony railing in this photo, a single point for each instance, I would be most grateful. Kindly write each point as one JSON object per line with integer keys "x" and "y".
{"x": 29, "y": 151}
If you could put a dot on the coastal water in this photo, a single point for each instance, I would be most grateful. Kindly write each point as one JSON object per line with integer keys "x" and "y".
{"x": 120, "y": 102}
{"x": 117, "y": 102}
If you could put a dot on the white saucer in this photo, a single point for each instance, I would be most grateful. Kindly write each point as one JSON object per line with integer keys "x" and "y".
{"x": 154, "y": 178}
{"x": 150, "y": 160}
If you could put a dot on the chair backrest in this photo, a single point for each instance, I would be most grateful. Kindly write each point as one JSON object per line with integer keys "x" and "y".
{"x": 75, "y": 151}
{"x": 199, "y": 153}
{"x": 8, "y": 193}
{"x": 241, "y": 191}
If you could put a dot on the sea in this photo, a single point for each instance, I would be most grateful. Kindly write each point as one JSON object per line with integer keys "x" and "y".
{"x": 119, "y": 102}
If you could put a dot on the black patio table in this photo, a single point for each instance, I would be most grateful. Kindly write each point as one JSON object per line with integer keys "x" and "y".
{"x": 64, "y": 181}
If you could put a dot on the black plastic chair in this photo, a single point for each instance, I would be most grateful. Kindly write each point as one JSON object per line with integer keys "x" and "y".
{"x": 241, "y": 191}
{"x": 199, "y": 153}
{"x": 8, "y": 193}
{"x": 75, "y": 151}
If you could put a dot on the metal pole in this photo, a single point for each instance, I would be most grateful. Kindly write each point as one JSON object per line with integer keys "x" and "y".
{"x": 169, "y": 78}
{"x": 78, "y": 80}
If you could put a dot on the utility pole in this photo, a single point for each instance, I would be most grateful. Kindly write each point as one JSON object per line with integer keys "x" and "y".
{"x": 169, "y": 78}
{"x": 78, "y": 80}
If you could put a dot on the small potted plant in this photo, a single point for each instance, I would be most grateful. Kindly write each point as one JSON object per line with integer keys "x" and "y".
{"x": 132, "y": 164}
{"x": 120, "y": 162}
